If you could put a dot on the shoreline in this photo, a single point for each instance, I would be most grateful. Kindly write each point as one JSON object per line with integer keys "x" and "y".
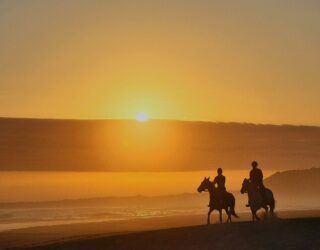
{"x": 50, "y": 234}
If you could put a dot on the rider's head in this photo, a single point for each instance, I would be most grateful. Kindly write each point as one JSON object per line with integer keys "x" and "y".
{"x": 254, "y": 164}
{"x": 219, "y": 170}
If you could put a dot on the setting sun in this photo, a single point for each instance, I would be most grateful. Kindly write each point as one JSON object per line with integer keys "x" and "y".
{"x": 142, "y": 116}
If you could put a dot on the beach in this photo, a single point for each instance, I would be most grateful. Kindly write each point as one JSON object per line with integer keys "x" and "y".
{"x": 102, "y": 235}
{"x": 281, "y": 234}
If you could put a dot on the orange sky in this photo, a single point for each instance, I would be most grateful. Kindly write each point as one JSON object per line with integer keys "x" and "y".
{"x": 245, "y": 61}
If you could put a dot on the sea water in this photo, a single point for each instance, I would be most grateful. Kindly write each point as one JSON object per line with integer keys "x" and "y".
{"x": 103, "y": 196}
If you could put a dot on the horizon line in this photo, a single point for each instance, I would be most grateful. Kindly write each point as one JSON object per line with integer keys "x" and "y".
{"x": 159, "y": 120}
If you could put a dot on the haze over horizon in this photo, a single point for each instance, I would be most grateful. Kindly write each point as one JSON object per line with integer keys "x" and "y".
{"x": 158, "y": 120}
{"x": 122, "y": 145}
{"x": 248, "y": 61}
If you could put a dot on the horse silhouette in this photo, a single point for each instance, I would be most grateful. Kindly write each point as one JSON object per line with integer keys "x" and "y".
{"x": 228, "y": 203}
{"x": 256, "y": 200}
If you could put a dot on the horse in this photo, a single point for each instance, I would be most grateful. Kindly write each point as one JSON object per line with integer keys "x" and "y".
{"x": 228, "y": 203}
{"x": 256, "y": 200}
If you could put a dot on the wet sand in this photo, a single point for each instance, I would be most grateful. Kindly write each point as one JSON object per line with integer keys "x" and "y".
{"x": 280, "y": 234}
{"x": 176, "y": 232}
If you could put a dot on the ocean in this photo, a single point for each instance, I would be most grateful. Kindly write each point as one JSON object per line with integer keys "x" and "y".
{"x": 31, "y": 199}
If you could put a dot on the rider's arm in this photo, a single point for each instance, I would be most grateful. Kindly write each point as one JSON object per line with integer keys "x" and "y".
{"x": 261, "y": 175}
{"x": 251, "y": 175}
{"x": 214, "y": 181}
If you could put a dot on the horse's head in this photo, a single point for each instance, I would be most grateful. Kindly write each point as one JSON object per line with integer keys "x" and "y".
{"x": 205, "y": 184}
{"x": 245, "y": 186}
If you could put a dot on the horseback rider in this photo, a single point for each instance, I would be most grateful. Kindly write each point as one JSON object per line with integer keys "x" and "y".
{"x": 220, "y": 182}
{"x": 256, "y": 178}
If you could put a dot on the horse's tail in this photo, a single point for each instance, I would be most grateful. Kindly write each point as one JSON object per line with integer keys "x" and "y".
{"x": 271, "y": 202}
{"x": 272, "y": 206}
{"x": 232, "y": 206}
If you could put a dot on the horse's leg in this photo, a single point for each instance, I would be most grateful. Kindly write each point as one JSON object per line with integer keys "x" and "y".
{"x": 220, "y": 215}
{"x": 225, "y": 209}
{"x": 266, "y": 208}
{"x": 228, "y": 211}
{"x": 209, "y": 212}
{"x": 253, "y": 214}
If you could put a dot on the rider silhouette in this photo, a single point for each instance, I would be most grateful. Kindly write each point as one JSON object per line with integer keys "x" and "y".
{"x": 220, "y": 181}
{"x": 256, "y": 178}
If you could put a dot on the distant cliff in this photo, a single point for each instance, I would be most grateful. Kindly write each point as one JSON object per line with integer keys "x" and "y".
{"x": 122, "y": 145}
{"x": 296, "y": 183}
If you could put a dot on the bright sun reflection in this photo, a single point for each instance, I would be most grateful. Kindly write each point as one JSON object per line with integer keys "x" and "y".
{"x": 142, "y": 116}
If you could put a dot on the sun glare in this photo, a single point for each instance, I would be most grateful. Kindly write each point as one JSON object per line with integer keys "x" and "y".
{"x": 142, "y": 117}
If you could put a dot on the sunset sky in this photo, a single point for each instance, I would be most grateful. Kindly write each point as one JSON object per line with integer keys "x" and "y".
{"x": 243, "y": 61}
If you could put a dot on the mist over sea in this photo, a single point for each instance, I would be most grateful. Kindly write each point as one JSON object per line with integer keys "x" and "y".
{"x": 35, "y": 186}
{"x": 34, "y": 198}
{"x": 31, "y": 199}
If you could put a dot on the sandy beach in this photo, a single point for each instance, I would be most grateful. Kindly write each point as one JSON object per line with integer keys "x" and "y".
{"x": 279, "y": 234}
{"x": 166, "y": 233}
